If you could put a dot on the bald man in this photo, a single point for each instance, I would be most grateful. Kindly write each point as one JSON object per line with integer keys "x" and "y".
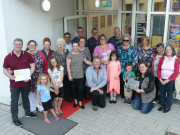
{"x": 115, "y": 40}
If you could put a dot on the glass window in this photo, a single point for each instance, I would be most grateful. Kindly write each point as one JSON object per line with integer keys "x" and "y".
{"x": 126, "y": 23}
{"x": 127, "y": 5}
{"x": 141, "y": 25}
{"x": 159, "y": 5}
{"x": 175, "y": 5}
{"x": 174, "y": 30}
{"x": 142, "y": 5}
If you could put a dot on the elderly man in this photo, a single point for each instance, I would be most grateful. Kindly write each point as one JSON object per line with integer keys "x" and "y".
{"x": 93, "y": 41}
{"x": 80, "y": 33}
{"x": 67, "y": 38}
{"x": 96, "y": 79}
{"x": 16, "y": 60}
{"x": 115, "y": 40}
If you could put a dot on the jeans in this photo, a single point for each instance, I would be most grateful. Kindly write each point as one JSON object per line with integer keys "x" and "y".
{"x": 97, "y": 99}
{"x": 15, "y": 92}
{"x": 144, "y": 107}
{"x": 166, "y": 101}
{"x": 77, "y": 86}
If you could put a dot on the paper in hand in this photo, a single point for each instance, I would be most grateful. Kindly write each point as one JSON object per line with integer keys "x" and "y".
{"x": 132, "y": 84}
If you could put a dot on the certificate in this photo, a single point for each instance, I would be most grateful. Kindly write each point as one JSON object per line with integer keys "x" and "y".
{"x": 132, "y": 84}
{"x": 22, "y": 74}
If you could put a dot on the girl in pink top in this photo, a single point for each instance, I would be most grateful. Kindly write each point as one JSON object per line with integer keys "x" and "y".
{"x": 104, "y": 50}
{"x": 113, "y": 72}
{"x": 167, "y": 71}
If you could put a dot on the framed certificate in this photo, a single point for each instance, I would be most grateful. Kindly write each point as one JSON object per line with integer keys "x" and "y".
{"x": 22, "y": 74}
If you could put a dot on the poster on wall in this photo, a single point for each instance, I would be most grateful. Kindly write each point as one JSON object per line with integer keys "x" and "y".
{"x": 175, "y": 6}
{"x": 106, "y": 3}
{"x": 95, "y": 22}
{"x": 156, "y": 39}
{"x": 103, "y": 21}
{"x": 176, "y": 45}
{"x": 174, "y": 30}
{"x": 109, "y": 20}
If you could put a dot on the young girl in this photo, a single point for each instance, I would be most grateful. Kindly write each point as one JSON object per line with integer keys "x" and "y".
{"x": 56, "y": 74}
{"x": 44, "y": 98}
{"x": 113, "y": 72}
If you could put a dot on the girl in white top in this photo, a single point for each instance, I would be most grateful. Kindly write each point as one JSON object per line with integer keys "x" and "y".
{"x": 56, "y": 74}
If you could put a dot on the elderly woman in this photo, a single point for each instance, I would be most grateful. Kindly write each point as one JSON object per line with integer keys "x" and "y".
{"x": 127, "y": 53}
{"x": 47, "y": 48}
{"x": 75, "y": 61}
{"x": 40, "y": 67}
{"x": 146, "y": 91}
{"x": 146, "y": 52}
{"x": 103, "y": 50}
{"x": 160, "y": 49}
{"x": 61, "y": 54}
{"x": 168, "y": 70}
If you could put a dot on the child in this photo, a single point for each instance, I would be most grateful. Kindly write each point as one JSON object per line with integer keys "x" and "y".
{"x": 113, "y": 72}
{"x": 44, "y": 98}
{"x": 128, "y": 74}
{"x": 56, "y": 74}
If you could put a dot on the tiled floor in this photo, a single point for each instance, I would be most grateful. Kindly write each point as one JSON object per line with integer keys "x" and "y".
{"x": 114, "y": 119}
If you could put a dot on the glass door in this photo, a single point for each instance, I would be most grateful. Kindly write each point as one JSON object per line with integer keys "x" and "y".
{"x": 71, "y": 23}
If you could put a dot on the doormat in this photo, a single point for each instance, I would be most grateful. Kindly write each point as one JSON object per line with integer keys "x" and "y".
{"x": 37, "y": 125}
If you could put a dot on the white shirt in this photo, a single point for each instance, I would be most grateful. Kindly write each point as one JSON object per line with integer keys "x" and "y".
{"x": 69, "y": 47}
{"x": 56, "y": 75}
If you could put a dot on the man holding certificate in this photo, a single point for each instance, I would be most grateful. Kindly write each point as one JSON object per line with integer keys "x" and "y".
{"x": 18, "y": 67}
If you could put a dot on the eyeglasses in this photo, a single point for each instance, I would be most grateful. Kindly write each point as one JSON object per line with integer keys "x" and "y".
{"x": 125, "y": 40}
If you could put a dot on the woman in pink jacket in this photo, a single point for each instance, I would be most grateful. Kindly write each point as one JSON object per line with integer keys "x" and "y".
{"x": 167, "y": 71}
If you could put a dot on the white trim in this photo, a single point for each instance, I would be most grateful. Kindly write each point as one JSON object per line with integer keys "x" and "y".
{"x": 126, "y": 11}
{"x": 174, "y": 13}
{"x": 120, "y": 14}
{"x": 140, "y": 12}
{"x": 149, "y": 17}
{"x": 133, "y": 23}
{"x": 158, "y": 13}
{"x": 111, "y": 12}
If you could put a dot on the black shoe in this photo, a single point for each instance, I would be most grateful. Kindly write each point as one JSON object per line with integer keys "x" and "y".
{"x": 68, "y": 100}
{"x": 32, "y": 115}
{"x": 161, "y": 108}
{"x": 82, "y": 106}
{"x": 75, "y": 105}
{"x": 166, "y": 110}
{"x": 17, "y": 123}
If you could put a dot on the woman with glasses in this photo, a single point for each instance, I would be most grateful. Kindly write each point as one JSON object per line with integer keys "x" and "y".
{"x": 145, "y": 52}
{"x": 127, "y": 53}
{"x": 103, "y": 50}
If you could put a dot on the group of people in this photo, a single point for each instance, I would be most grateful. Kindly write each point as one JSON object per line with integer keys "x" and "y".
{"x": 96, "y": 66}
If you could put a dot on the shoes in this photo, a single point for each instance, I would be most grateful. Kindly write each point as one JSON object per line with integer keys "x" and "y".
{"x": 17, "y": 123}
{"x": 129, "y": 101}
{"x": 114, "y": 100}
{"x": 111, "y": 100}
{"x": 166, "y": 110}
{"x": 32, "y": 115}
{"x": 47, "y": 121}
{"x": 68, "y": 100}
{"x": 161, "y": 108}
{"x": 82, "y": 106}
{"x": 126, "y": 101}
{"x": 56, "y": 118}
{"x": 75, "y": 105}
{"x": 95, "y": 108}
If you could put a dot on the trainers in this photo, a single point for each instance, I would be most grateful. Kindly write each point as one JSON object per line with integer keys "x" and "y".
{"x": 56, "y": 118}
{"x": 32, "y": 115}
{"x": 111, "y": 100}
{"x": 17, "y": 123}
{"x": 95, "y": 108}
{"x": 114, "y": 100}
{"x": 129, "y": 101}
{"x": 126, "y": 101}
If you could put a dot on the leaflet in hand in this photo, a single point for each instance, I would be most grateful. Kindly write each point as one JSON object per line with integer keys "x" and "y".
{"x": 22, "y": 74}
{"x": 132, "y": 84}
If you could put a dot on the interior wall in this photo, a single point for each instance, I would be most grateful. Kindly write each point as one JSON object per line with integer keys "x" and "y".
{"x": 24, "y": 19}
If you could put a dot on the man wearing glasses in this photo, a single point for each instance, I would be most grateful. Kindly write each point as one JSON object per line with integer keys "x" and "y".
{"x": 80, "y": 33}
{"x": 67, "y": 38}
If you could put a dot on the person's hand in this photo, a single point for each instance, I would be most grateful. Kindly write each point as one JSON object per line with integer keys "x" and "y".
{"x": 116, "y": 77}
{"x": 26, "y": 80}
{"x": 166, "y": 81}
{"x": 92, "y": 89}
{"x": 12, "y": 77}
{"x": 162, "y": 82}
{"x": 101, "y": 91}
{"x": 70, "y": 78}
{"x": 40, "y": 103}
{"x": 138, "y": 90}
{"x": 56, "y": 90}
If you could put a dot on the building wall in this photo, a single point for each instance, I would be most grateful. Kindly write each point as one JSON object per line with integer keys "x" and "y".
{"x": 24, "y": 19}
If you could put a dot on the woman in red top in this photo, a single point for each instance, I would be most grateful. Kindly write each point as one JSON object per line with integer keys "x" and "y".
{"x": 167, "y": 71}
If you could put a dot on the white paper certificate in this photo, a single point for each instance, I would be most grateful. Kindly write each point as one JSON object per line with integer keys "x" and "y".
{"x": 22, "y": 74}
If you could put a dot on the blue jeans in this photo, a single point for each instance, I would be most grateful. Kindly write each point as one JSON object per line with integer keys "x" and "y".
{"x": 144, "y": 107}
{"x": 166, "y": 101}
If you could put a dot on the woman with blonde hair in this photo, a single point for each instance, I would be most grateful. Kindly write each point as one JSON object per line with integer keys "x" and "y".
{"x": 61, "y": 53}
{"x": 146, "y": 52}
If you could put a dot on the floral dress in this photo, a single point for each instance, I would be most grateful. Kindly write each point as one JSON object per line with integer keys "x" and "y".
{"x": 39, "y": 69}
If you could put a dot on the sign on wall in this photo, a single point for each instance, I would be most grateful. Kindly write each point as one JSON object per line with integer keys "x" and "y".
{"x": 175, "y": 6}
{"x": 106, "y": 3}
